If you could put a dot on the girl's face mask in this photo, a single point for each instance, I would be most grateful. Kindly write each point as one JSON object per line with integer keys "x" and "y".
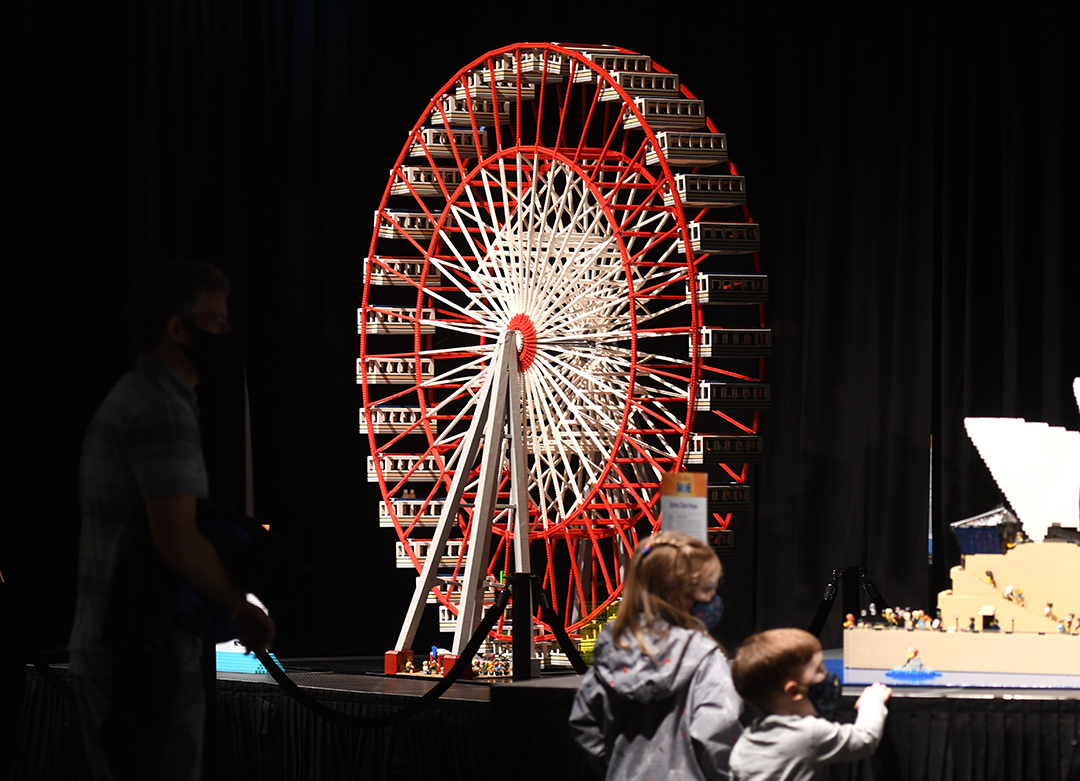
{"x": 709, "y": 613}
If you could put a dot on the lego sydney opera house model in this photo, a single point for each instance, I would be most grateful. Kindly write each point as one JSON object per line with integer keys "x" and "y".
{"x": 1011, "y": 616}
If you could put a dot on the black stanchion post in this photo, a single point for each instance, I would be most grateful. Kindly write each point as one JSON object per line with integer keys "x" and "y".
{"x": 208, "y": 671}
{"x": 825, "y": 606}
{"x": 521, "y": 615}
{"x": 850, "y": 581}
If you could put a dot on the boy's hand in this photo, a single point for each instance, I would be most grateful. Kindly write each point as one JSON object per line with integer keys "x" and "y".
{"x": 875, "y": 691}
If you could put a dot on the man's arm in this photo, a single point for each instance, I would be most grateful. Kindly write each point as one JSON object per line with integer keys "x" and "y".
{"x": 191, "y": 556}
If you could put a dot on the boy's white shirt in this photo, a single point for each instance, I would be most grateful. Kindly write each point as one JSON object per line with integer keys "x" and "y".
{"x": 793, "y": 747}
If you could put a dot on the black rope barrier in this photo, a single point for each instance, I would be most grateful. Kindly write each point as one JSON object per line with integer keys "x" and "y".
{"x": 550, "y": 616}
{"x": 410, "y": 710}
{"x": 548, "y": 613}
{"x": 554, "y": 620}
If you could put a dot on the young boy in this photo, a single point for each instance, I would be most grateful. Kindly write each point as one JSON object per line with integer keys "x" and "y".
{"x": 782, "y": 673}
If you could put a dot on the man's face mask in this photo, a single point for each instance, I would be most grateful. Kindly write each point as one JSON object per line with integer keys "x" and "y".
{"x": 212, "y": 355}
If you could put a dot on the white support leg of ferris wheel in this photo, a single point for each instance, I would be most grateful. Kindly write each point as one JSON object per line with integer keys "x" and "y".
{"x": 502, "y": 427}
{"x": 467, "y": 454}
{"x": 498, "y": 417}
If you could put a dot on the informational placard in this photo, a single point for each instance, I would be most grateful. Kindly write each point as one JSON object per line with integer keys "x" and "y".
{"x": 684, "y": 502}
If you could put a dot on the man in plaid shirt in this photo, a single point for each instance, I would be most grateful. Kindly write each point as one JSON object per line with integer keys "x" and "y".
{"x": 142, "y": 462}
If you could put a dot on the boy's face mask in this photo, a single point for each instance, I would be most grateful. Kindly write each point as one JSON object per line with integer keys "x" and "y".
{"x": 825, "y": 695}
{"x": 709, "y": 613}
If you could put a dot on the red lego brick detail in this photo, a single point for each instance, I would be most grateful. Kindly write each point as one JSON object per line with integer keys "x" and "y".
{"x": 447, "y": 661}
{"x": 394, "y": 661}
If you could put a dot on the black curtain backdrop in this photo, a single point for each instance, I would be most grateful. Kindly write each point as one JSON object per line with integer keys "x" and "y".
{"x": 914, "y": 173}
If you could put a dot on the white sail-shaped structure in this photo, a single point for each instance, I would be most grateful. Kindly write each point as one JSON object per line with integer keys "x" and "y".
{"x": 1037, "y": 467}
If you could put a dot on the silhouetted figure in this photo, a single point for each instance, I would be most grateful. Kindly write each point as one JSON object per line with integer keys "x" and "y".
{"x": 136, "y": 674}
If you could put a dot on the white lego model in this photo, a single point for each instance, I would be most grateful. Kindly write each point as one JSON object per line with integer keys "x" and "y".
{"x": 1010, "y": 618}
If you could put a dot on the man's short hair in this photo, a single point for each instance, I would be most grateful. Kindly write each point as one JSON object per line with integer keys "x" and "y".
{"x": 166, "y": 291}
{"x": 767, "y": 660}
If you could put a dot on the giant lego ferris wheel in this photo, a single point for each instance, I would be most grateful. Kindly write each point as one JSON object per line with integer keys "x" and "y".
{"x": 575, "y": 202}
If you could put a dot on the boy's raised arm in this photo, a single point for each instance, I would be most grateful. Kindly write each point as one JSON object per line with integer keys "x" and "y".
{"x": 843, "y": 742}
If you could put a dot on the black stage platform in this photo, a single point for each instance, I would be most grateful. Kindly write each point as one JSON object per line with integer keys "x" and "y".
{"x": 518, "y": 731}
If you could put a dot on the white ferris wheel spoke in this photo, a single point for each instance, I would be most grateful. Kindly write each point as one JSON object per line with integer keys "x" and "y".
{"x": 599, "y": 414}
{"x": 448, "y": 270}
{"x": 553, "y": 281}
{"x": 661, "y": 414}
{"x": 500, "y": 275}
{"x": 657, "y": 385}
{"x": 649, "y": 315}
{"x": 544, "y": 474}
{"x": 565, "y": 424}
{"x": 604, "y": 278}
{"x": 551, "y": 412}
{"x": 448, "y": 377}
{"x": 536, "y": 229}
{"x": 593, "y": 380}
{"x": 648, "y": 449}
{"x": 552, "y": 485}
{"x": 483, "y": 282}
{"x": 534, "y": 262}
{"x": 558, "y": 382}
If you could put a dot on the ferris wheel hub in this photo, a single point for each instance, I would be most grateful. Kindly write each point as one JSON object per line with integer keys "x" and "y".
{"x": 525, "y": 339}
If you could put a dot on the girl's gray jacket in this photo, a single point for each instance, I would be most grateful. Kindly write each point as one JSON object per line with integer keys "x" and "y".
{"x": 672, "y": 716}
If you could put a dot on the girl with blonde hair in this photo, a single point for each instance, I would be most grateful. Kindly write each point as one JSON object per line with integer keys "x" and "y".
{"x": 659, "y": 701}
